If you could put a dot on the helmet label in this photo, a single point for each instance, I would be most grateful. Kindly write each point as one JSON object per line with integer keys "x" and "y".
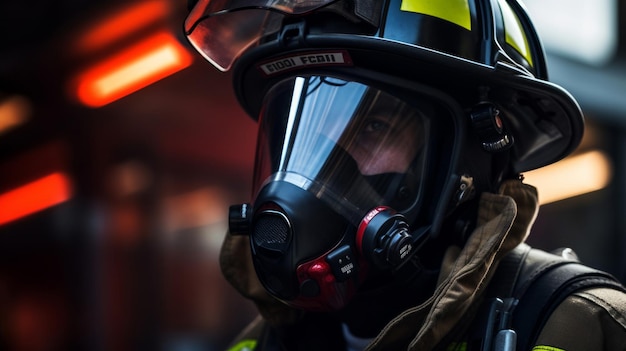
{"x": 305, "y": 60}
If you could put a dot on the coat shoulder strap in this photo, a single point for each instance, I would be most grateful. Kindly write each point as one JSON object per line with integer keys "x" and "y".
{"x": 536, "y": 282}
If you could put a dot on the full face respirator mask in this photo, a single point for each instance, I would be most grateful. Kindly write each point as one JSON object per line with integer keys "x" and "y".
{"x": 338, "y": 180}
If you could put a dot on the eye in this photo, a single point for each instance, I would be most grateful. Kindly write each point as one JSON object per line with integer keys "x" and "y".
{"x": 376, "y": 125}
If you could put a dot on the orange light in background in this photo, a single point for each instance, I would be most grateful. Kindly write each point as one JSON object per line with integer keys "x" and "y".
{"x": 196, "y": 208}
{"x": 35, "y": 196}
{"x": 572, "y": 176}
{"x": 121, "y": 23}
{"x": 129, "y": 178}
{"x": 205, "y": 208}
{"x": 137, "y": 67}
{"x": 14, "y": 111}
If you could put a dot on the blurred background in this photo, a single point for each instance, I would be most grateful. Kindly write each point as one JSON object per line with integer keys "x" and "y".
{"x": 121, "y": 150}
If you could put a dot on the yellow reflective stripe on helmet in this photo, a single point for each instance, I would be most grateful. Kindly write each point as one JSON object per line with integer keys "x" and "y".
{"x": 244, "y": 345}
{"x": 546, "y": 348}
{"x": 514, "y": 32}
{"x": 455, "y": 11}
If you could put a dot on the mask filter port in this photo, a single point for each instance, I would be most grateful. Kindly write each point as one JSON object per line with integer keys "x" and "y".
{"x": 383, "y": 238}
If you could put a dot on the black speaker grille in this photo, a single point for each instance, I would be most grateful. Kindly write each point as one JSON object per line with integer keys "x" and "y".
{"x": 271, "y": 230}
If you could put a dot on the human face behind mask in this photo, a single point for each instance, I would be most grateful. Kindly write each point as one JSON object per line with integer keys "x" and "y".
{"x": 386, "y": 138}
{"x": 328, "y": 134}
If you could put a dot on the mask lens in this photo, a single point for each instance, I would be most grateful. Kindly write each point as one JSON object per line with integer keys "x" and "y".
{"x": 353, "y": 146}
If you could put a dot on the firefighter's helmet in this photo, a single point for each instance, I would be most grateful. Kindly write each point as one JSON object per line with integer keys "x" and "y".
{"x": 378, "y": 118}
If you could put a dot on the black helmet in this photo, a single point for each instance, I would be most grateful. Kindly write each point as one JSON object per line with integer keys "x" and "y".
{"x": 465, "y": 78}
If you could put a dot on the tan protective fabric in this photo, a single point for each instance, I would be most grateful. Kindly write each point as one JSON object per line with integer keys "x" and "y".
{"x": 594, "y": 319}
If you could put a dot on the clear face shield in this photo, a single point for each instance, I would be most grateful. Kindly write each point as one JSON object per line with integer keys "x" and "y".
{"x": 338, "y": 177}
{"x": 350, "y": 145}
{"x": 222, "y": 29}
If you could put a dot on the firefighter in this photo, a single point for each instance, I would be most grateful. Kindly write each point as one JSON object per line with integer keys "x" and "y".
{"x": 388, "y": 188}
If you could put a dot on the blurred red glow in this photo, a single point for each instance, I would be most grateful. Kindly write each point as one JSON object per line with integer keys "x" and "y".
{"x": 38, "y": 195}
{"x": 132, "y": 69}
{"x": 122, "y": 23}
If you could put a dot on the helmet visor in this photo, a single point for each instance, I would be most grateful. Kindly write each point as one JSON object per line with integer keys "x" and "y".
{"x": 353, "y": 146}
{"x": 221, "y": 30}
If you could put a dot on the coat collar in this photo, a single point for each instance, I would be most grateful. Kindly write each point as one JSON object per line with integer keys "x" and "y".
{"x": 504, "y": 221}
